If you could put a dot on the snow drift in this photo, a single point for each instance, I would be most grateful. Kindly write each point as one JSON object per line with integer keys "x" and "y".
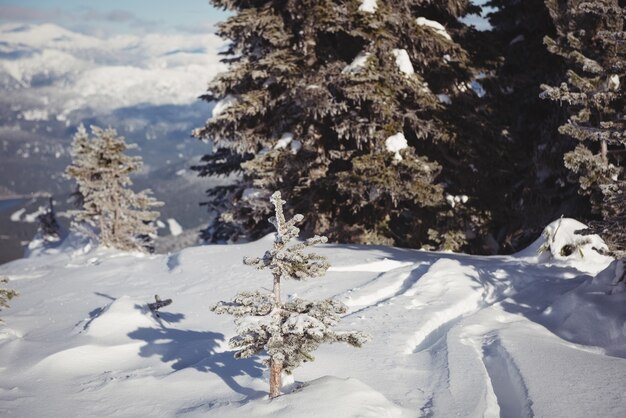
{"x": 533, "y": 334}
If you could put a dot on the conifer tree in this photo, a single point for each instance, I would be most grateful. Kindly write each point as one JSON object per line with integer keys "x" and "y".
{"x": 5, "y": 294}
{"x": 120, "y": 217}
{"x": 341, "y": 106}
{"x": 49, "y": 229}
{"x": 591, "y": 39}
{"x": 529, "y": 160}
{"x": 287, "y": 331}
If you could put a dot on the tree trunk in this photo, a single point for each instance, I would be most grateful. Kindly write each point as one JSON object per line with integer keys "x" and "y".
{"x": 276, "y": 370}
{"x": 276, "y": 290}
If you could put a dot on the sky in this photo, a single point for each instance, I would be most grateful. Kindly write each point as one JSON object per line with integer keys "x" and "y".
{"x": 99, "y": 17}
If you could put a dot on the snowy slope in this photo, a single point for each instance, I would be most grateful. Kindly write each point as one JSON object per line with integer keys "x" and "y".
{"x": 452, "y": 335}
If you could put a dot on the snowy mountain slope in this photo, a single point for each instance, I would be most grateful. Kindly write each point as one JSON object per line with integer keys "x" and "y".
{"x": 452, "y": 335}
{"x": 147, "y": 87}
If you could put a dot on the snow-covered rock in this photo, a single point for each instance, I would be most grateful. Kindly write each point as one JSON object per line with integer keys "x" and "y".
{"x": 559, "y": 243}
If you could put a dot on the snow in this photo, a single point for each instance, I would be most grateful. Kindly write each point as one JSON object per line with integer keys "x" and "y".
{"x": 434, "y": 25}
{"x": 532, "y": 334}
{"x": 284, "y": 140}
{"x": 403, "y": 61}
{"x": 223, "y": 104}
{"x": 455, "y": 200}
{"x": 368, "y": 6}
{"x": 613, "y": 82}
{"x": 444, "y": 98}
{"x": 17, "y": 215}
{"x": 358, "y": 63}
{"x": 396, "y": 143}
{"x": 174, "y": 226}
{"x": 35, "y": 115}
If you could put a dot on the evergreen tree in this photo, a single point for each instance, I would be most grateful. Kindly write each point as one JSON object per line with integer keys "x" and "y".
{"x": 287, "y": 331}
{"x": 592, "y": 41}
{"x": 121, "y": 218}
{"x": 5, "y": 294}
{"x": 49, "y": 229}
{"x": 529, "y": 160}
{"x": 341, "y": 105}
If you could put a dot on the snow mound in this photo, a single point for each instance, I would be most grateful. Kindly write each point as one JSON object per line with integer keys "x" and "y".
{"x": 591, "y": 315}
{"x": 560, "y": 243}
{"x": 121, "y": 317}
{"x": 328, "y": 396}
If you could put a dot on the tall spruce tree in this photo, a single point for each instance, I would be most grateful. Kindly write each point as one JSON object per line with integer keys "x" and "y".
{"x": 341, "y": 106}
{"x": 591, "y": 39}
{"x": 287, "y": 331}
{"x": 120, "y": 217}
{"x": 530, "y": 148}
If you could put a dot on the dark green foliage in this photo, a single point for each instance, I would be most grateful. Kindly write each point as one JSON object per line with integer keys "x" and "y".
{"x": 528, "y": 149}
{"x": 119, "y": 217}
{"x": 592, "y": 41}
{"x": 299, "y": 114}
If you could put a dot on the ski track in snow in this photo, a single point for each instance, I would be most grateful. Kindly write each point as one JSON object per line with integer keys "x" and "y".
{"x": 498, "y": 282}
{"x": 506, "y": 381}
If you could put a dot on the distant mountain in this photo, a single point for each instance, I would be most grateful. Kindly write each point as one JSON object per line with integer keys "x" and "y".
{"x": 53, "y": 79}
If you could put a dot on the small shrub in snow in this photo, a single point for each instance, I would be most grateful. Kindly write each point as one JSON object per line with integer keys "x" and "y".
{"x": 49, "y": 229}
{"x": 287, "y": 331}
{"x": 5, "y": 294}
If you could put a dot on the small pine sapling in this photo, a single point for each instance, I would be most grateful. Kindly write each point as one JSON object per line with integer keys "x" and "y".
{"x": 287, "y": 331}
{"x": 5, "y": 294}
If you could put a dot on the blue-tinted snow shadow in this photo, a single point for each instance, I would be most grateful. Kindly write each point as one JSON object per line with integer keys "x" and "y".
{"x": 548, "y": 294}
{"x": 197, "y": 350}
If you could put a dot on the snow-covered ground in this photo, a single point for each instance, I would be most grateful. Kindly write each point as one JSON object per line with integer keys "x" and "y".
{"x": 452, "y": 335}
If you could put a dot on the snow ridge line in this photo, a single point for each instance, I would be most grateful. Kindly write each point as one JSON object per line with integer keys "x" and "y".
{"x": 506, "y": 381}
{"x": 401, "y": 282}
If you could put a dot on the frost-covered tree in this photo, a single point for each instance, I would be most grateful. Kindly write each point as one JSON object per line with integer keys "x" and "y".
{"x": 288, "y": 332}
{"x": 5, "y": 294}
{"x": 592, "y": 41}
{"x": 341, "y": 105}
{"x": 120, "y": 217}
